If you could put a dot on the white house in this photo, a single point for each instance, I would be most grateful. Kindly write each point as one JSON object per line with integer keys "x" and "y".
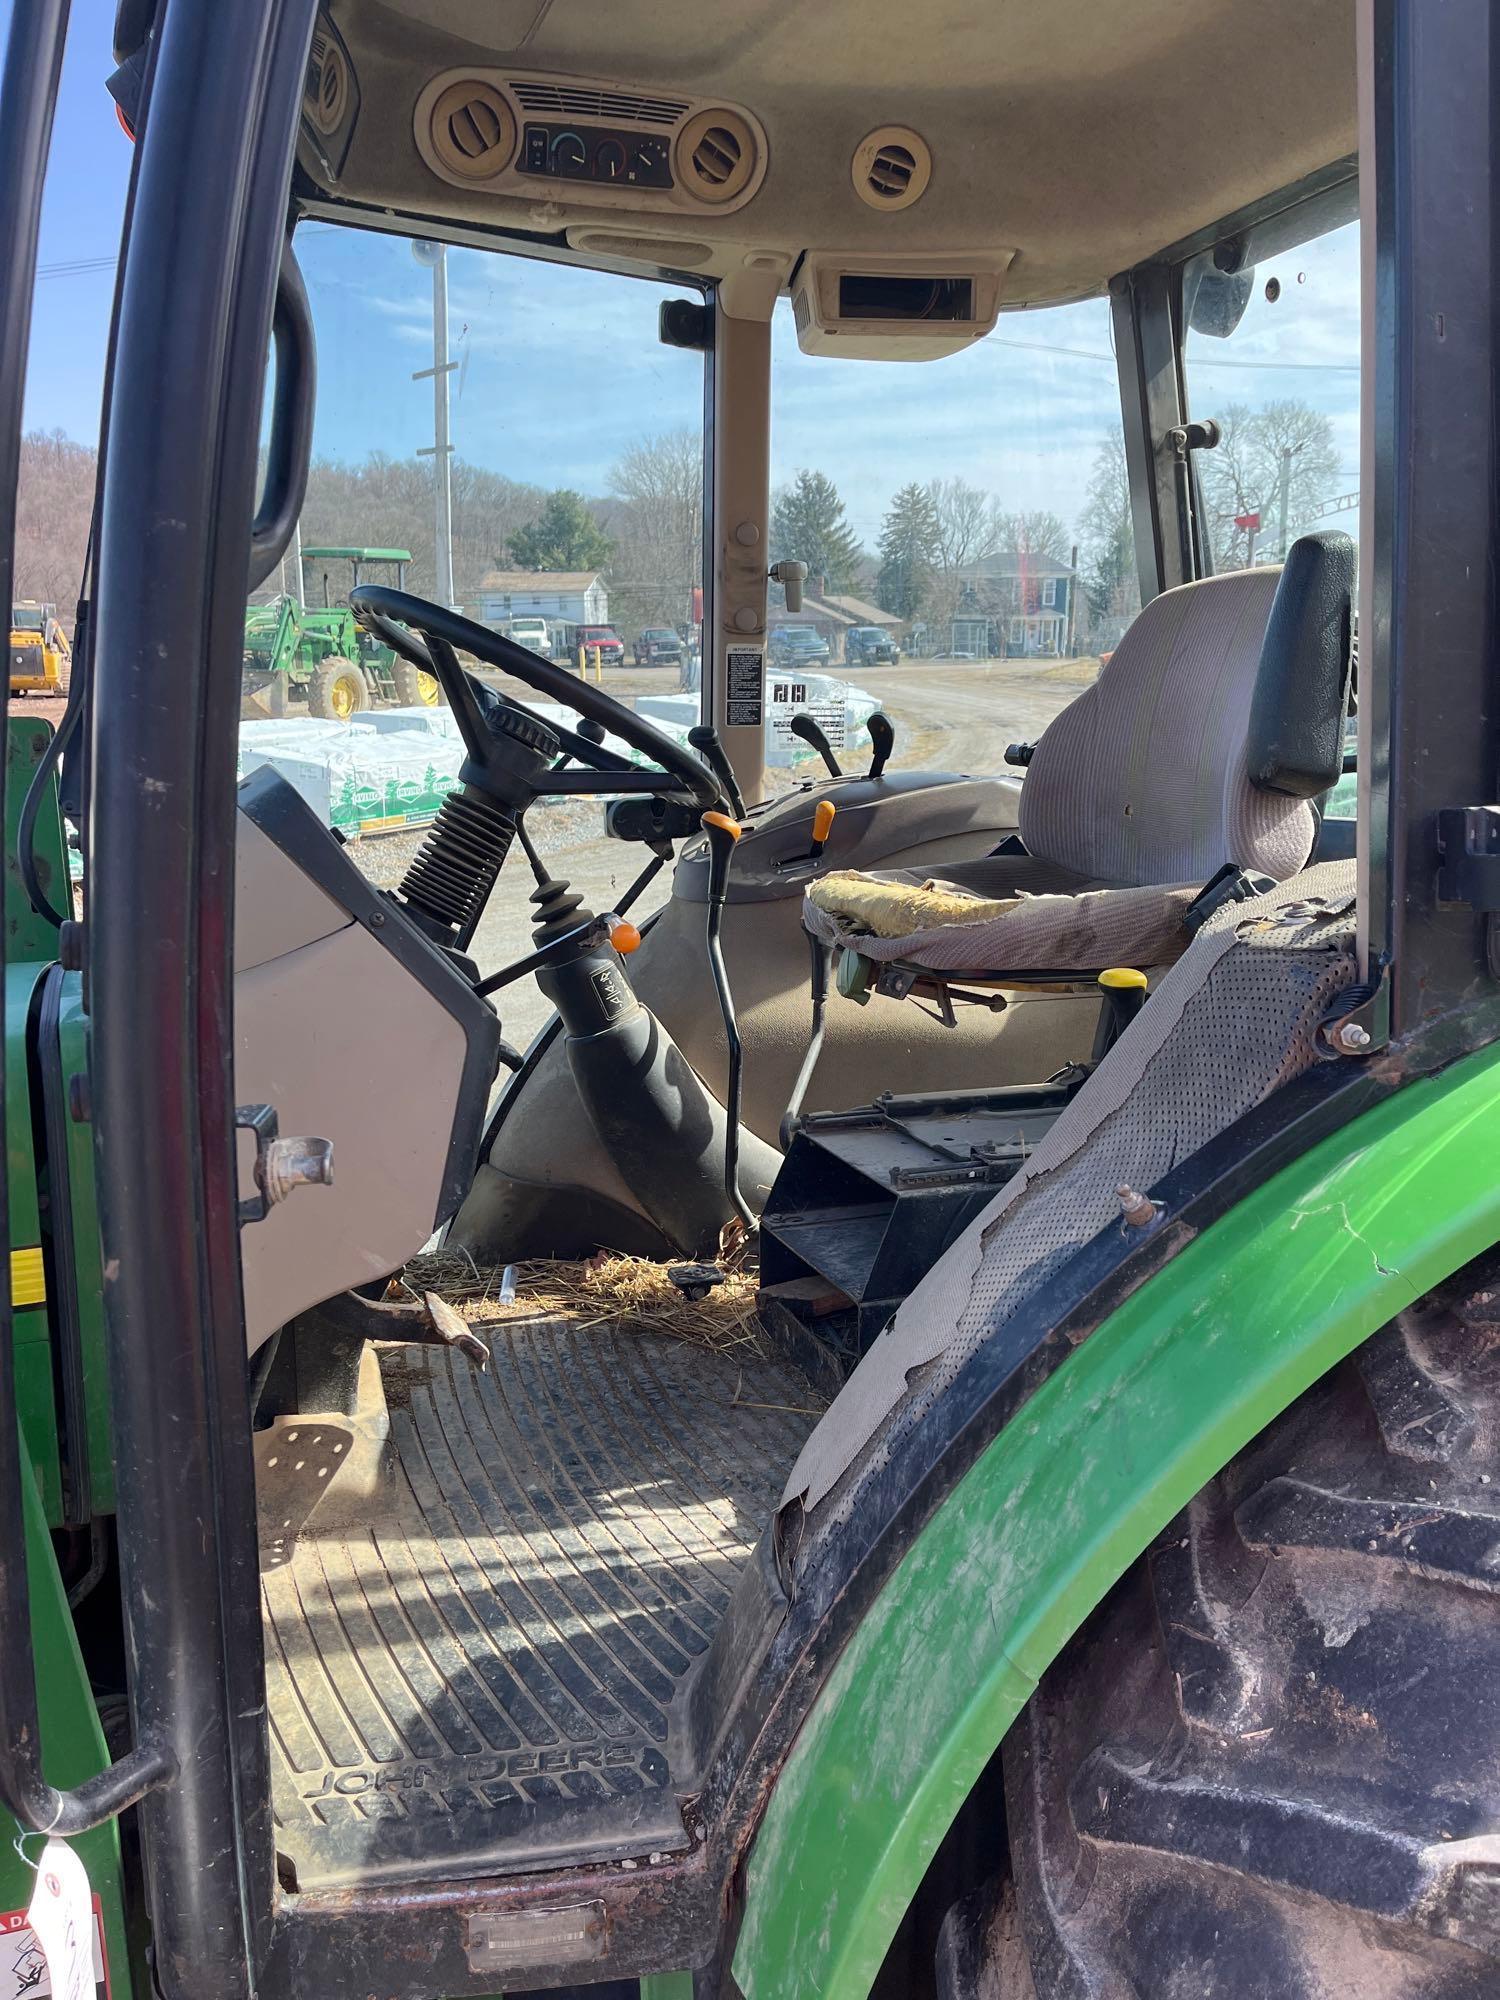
{"x": 577, "y": 597}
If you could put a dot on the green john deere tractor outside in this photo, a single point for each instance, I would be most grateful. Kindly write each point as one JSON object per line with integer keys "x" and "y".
{"x": 317, "y": 653}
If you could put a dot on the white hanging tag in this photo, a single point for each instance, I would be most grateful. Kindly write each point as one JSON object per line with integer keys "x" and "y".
{"x": 61, "y": 1913}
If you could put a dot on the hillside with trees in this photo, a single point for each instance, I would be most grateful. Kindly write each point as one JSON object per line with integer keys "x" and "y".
{"x": 644, "y": 532}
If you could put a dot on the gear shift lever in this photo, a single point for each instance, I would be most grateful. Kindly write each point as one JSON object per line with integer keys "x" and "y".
{"x": 723, "y": 835}
{"x": 882, "y": 742}
{"x": 808, "y": 730}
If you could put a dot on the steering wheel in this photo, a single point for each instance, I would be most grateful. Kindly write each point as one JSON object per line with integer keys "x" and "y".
{"x": 444, "y": 632}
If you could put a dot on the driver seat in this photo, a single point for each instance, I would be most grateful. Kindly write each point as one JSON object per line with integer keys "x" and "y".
{"x": 1206, "y": 740}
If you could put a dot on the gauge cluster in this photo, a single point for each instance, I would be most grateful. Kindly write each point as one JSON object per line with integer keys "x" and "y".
{"x": 596, "y": 153}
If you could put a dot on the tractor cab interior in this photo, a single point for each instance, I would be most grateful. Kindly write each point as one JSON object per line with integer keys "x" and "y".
{"x": 847, "y": 992}
{"x": 514, "y": 1569}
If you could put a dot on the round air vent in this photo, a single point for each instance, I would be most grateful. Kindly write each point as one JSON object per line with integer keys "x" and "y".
{"x": 891, "y": 168}
{"x": 716, "y": 155}
{"x": 327, "y": 84}
{"x": 473, "y": 130}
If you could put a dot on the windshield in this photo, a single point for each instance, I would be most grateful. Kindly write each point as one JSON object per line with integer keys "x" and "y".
{"x": 27, "y": 621}
{"x": 968, "y": 517}
{"x": 573, "y": 523}
{"x": 1280, "y": 372}
{"x": 1281, "y": 380}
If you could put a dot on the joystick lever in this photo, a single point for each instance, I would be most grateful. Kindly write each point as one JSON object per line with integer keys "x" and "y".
{"x": 808, "y": 730}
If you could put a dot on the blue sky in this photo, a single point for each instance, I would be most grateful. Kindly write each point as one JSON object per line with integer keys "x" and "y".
{"x": 560, "y": 369}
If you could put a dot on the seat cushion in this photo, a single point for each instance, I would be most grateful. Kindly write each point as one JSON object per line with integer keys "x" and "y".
{"x": 1144, "y": 777}
{"x": 1018, "y": 933}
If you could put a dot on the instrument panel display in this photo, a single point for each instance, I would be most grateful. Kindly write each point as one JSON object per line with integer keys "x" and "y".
{"x": 597, "y": 153}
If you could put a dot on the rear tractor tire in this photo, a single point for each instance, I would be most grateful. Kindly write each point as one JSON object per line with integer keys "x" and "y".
{"x": 1268, "y": 1768}
{"x": 414, "y": 688}
{"x": 338, "y": 689}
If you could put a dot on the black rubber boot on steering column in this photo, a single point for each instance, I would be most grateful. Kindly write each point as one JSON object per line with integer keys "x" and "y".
{"x": 661, "y": 1125}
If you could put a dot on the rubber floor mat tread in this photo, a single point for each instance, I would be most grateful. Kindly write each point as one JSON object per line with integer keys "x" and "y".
{"x": 476, "y": 1628}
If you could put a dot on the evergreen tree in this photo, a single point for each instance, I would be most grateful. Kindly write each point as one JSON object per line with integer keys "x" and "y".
{"x": 808, "y": 525}
{"x": 564, "y": 536}
{"x": 908, "y": 547}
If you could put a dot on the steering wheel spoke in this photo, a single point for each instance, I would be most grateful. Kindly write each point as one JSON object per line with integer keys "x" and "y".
{"x": 434, "y": 644}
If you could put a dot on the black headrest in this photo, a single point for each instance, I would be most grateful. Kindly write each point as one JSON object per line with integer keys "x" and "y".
{"x": 1295, "y": 743}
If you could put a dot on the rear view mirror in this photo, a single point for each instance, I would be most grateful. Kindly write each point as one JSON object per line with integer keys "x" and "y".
{"x": 1213, "y": 299}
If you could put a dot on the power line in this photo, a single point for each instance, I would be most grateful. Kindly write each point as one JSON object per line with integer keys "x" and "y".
{"x": 1195, "y": 361}
{"x": 75, "y": 267}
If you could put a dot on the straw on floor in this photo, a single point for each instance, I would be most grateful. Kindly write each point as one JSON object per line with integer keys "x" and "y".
{"x": 628, "y": 1292}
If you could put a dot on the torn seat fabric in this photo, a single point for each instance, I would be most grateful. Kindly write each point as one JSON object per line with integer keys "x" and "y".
{"x": 1235, "y": 1018}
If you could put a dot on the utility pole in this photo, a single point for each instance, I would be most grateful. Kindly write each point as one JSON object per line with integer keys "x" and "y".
{"x": 440, "y": 451}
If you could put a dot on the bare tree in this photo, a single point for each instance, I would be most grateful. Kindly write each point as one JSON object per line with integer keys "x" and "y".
{"x": 1243, "y": 474}
{"x": 967, "y": 527}
{"x": 54, "y": 505}
{"x": 1107, "y": 536}
{"x": 655, "y": 519}
{"x": 1036, "y": 532}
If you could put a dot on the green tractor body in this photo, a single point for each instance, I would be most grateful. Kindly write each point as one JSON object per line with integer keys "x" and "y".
{"x": 318, "y": 654}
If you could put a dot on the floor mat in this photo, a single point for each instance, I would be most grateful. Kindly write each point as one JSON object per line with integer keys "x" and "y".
{"x": 477, "y": 1618}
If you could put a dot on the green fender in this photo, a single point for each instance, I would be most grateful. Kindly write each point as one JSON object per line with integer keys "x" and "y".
{"x": 1119, "y": 1438}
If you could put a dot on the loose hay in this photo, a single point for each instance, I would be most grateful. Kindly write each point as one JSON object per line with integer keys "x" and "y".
{"x": 632, "y": 1293}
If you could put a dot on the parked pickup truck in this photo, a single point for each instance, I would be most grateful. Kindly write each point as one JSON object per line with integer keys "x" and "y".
{"x": 869, "y": 646}
{"x": 797, "y": 646}
{"x": 611, "y": 646}
{"x": 658, "y": 646}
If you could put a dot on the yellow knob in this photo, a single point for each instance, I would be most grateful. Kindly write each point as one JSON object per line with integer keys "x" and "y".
{"x": 823, "y": 813}
{"x": 1124, "y": 978}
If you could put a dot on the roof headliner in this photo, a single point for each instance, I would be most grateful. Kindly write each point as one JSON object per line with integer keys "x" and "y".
{"x": 1085, "y": 134}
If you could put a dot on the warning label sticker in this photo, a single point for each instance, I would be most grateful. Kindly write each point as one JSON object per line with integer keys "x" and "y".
{"x": 23, "y": 1968}
{"x": 828, "y": 708}
{"x": 744, "y": 697}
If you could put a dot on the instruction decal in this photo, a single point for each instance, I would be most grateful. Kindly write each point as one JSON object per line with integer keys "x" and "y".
{"x": 745, "y": 695}
{"x": 23, "y": 1966}
{"x": 823, "y": 700}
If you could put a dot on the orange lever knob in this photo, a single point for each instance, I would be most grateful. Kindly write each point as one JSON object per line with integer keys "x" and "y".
{"x": 823, "y": 813}
{"x": 624, "y": 937}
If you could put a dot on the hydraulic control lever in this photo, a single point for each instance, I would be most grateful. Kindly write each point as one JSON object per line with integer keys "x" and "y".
{"x": 723, "y": 835}
{"x": 704, "y": 738}
{"x": 882, "y": 742}
{"x": 808, "y": 730}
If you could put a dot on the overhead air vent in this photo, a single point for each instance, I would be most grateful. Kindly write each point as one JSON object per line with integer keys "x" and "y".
{"x": 610, "y": 107}
{"x": 473, "y": 130}
{"x": 716, "y": 155}
{"x": 327, "y": 94}
{"x": 891, "y": 168}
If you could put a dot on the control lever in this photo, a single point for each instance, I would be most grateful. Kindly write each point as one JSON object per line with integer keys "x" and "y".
{"x": 808, "y": 730}
{"x": 882, "y": 742}
{"x": 823, "y": 813}
{"x": 1122, "y": 988}
{"x": 723, "y": 835}
{"x": 704, "y": 738}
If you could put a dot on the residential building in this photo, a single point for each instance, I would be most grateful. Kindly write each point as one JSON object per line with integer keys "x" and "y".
{"x": 574, "y": 597}
{"x": 1015, "y": 605}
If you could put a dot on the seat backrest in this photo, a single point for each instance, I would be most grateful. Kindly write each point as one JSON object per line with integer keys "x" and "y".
{"x": 1216, "y": 721}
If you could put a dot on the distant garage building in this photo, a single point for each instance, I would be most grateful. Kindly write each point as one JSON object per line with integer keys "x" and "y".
{"x": 574, "y": 597}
